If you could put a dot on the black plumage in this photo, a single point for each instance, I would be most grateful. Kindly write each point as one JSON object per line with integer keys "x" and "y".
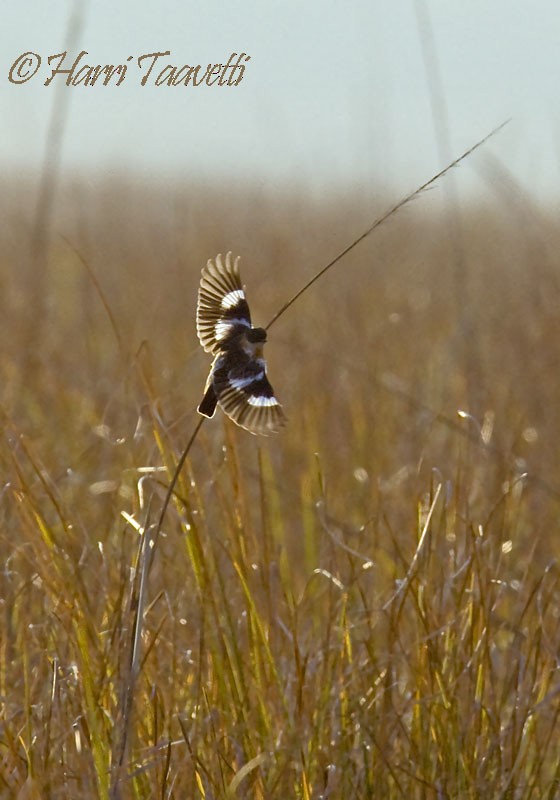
{"x": 237, "y": 380}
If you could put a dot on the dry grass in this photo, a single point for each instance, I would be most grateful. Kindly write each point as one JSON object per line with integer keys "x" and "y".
{"x": 364, "y": 606}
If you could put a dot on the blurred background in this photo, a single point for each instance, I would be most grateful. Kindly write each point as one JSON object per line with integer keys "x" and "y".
{"x": 115, "y": 196}
{"x": 336, "y": 94}
{"x": 420, "y": 378}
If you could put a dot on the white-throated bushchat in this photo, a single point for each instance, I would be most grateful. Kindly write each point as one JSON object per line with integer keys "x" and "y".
{"x": 237, "y": 381}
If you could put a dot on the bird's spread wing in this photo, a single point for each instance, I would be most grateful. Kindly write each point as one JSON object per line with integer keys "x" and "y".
{"x": 245, "y": 394}
{"x": 222, "y": 311}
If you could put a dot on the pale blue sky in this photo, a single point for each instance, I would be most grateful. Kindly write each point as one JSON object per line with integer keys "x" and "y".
{"x": 334, "y": 92}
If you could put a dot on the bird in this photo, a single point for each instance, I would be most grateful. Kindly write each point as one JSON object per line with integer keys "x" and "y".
{"x": 237, "y": 381}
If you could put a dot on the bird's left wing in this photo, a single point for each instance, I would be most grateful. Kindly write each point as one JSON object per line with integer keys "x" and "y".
{"x": 222, "y": 311}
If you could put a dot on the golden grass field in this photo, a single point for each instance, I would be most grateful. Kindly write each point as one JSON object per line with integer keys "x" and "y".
{"x": 364, "y": 606}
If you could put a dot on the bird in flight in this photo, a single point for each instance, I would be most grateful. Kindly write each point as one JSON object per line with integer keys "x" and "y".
{"x": 237, "y": 381}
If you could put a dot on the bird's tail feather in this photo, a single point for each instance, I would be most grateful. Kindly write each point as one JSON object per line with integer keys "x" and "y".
{"x": 208, "y": 403}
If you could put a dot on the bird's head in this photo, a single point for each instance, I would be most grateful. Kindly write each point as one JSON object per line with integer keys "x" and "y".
{"x": 256, "y": 336}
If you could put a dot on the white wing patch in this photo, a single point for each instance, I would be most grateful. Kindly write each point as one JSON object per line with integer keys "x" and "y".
{"x": 260, "y": 401}
{"x": 231, "y": 299}
{"x": 224, "y": 327}
{"x": 241, "y": 383}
